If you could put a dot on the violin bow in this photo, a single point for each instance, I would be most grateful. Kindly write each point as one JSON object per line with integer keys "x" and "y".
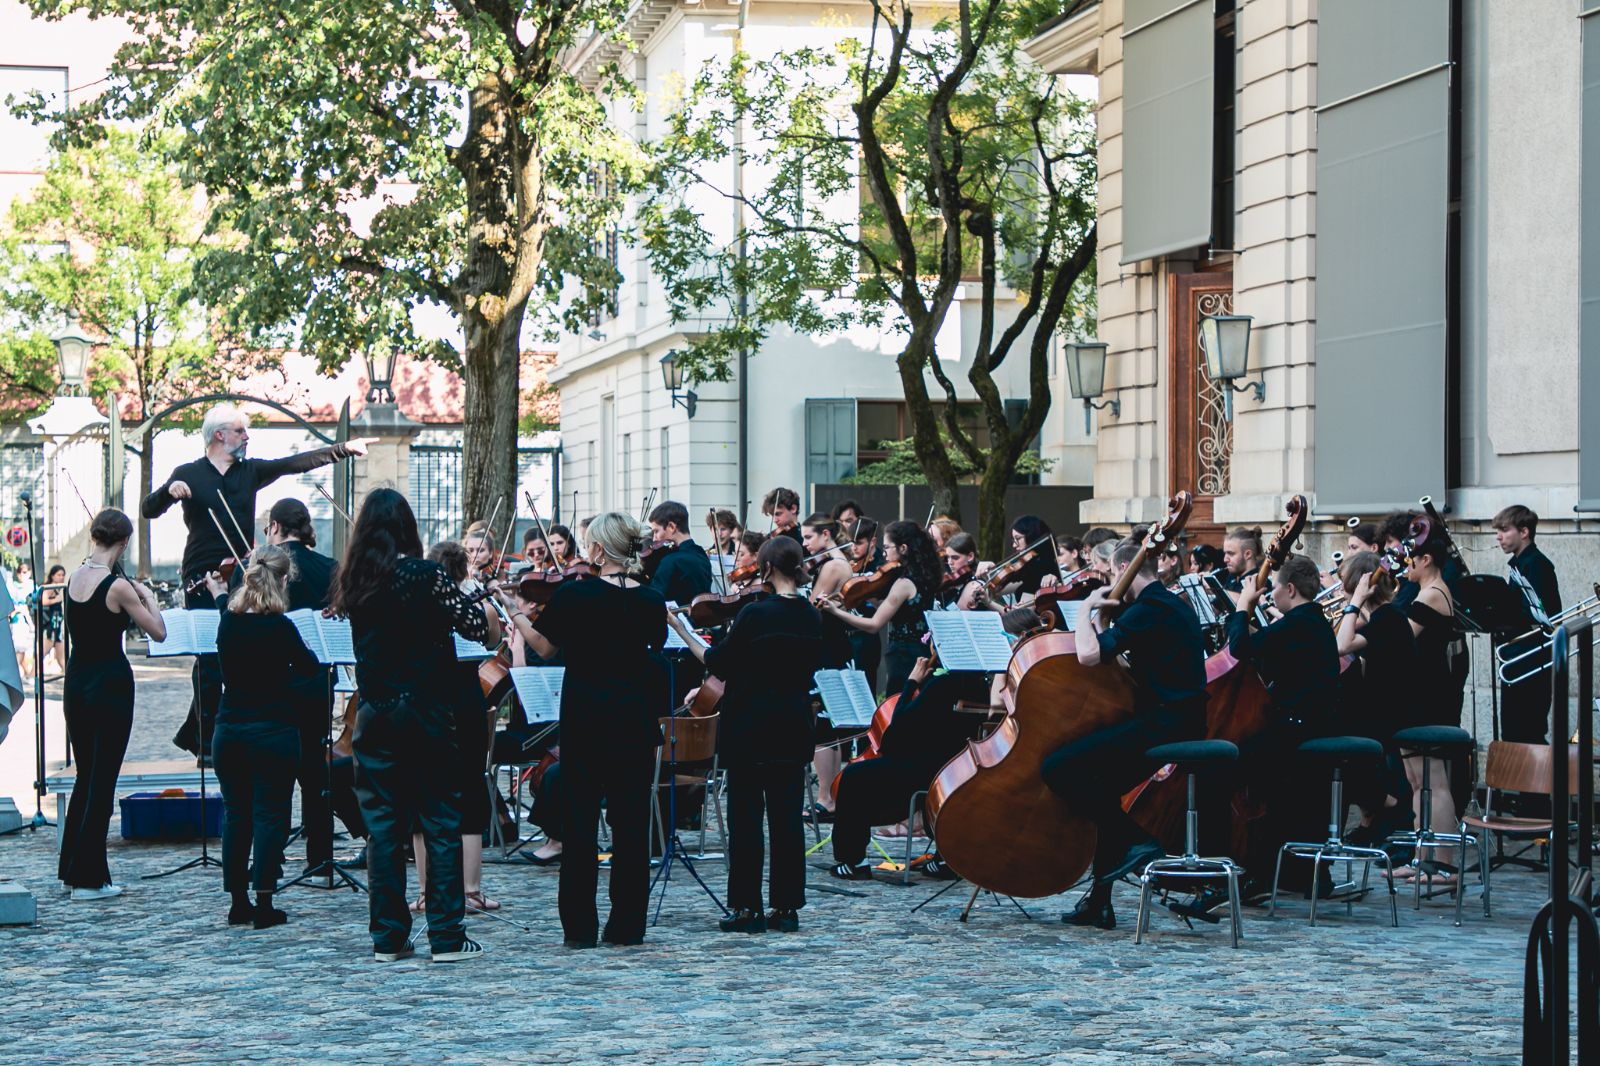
{"x": 533, "y": 509}
{"x": 222, "y": 532}
{"x": 326, "y": 495}
{"x": 722, "y": 566}
{"x": 505, "y": 545}
{"x": 243, "y": 540}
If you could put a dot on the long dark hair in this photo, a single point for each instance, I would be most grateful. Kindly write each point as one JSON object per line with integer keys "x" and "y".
{"x": 922, "y": 563}
{"x": 1033, "y": 528}
{"x": 385, "y": 529}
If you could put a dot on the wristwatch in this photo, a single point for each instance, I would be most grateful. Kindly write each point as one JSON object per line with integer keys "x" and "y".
{"x": 1350, "y": 609}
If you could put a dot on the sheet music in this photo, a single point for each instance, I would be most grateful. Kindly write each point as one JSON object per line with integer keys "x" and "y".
{"x": 188, "y": 633}
{"x": 1068, "y": 610}
{"x": 539, "y": 689}
{"x": 1198, "y": 594}
{"x": 847, "y": 697}
{"x": 470, "y": 651}
{"x": 675, "y": 642}
{"x": 344, "y": 680}
{"x": 329, "y": 639}
{"x": 970, "y": 640}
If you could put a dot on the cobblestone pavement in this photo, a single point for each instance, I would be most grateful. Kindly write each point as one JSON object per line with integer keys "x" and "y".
{"x": 158, "y": 977}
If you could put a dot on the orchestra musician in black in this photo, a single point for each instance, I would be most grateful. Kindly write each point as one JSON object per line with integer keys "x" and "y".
{"x": 1166, "y": 650}
{"x": 219, "y": 489}
{"x": 403, "y": 611}
{"x": 685, "y": 570}
{"x": 766, "y": 736}
{"x": 609, "y": 630}
{"x": 1525, "y": 707}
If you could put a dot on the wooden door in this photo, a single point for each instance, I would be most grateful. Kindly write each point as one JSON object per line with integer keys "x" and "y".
{"x": 1199, "y": 437}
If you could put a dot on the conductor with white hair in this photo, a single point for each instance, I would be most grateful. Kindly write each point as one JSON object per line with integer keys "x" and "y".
{"x": 221, "y": 482}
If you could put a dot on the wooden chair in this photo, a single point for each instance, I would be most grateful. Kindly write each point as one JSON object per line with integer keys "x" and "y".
{"x": 691, "y": 744}
{"x": 1514, "y": 767}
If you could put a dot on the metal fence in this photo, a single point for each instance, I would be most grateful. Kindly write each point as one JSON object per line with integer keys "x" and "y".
{"x": 436, "y": 490}
{"x": 21, "y": 469}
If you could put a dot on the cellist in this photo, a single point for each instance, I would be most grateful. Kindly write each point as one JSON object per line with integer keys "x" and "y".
{"x": 1166, "y": 651}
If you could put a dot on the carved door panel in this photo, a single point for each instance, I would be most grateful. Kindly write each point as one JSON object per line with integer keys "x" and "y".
{"x": 1199, "y": 437}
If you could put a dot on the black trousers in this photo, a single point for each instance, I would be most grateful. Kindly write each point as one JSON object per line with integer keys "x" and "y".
{"x": 899, "y": 658}
{"x": 194, "y": 735}
{"x": 620, "y": 780}
{"x": 776, "y": 790}
{"x": 1525, "y": 710}
{"x": 874, "y": 792}
{"x": 315, "y": 782}
{"x": 1094, "y": 771}
{"x": 1294, "y": 794}
{"x": 549, "y": 812}
{"x": 99, "y": 729}
{"x": 405, "y": 754}
{"x": 255, "y": 764}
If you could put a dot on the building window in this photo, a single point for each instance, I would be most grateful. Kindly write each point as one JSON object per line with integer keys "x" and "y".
{"x": 24, "y": 146}
{"x": 879, "y": 423}
{"x": 1222, "y": 82}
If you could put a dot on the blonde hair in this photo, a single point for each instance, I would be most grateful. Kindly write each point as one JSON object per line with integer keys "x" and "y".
{"x": 481, "y": 530}
{"x": 618, "y": 534}
{"x": 265, "y": 589}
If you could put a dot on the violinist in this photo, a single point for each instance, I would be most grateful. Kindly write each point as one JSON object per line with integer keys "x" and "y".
{"x": 767, "y": 659}
{"x": 478, "y": 540}
{"x": 1071, "y": 554}
{"x": 783, "y": 507}
{"x": 829, "y": 565}
{"x": 1379, "y": 699}
{"x": 610, "y": 630}
{"x": 1100, "y": 557}
{"x": 900, "y": 612}
{"x": 847, "y": 513}
{"x": 961, "y": 589}
{"x": 472, "y": 757}
{"x": 866, "y": 550}
{"x": 1241, "y": 555}
{"x": 403, "y": 610}
{"x": 546, "y": 812}
{"x": 941, "y": 529}
{"x": 1025, "y": 531}
{"x": 726, "y": 524}
{"x": 1297, "y": 657}
{"x": 1169, "y": 564}
{"x": 535, "y": 556}
{"x": 744, "y": 556}
{"x": 1166, "y": 649}
{"x": 685, "y": 571}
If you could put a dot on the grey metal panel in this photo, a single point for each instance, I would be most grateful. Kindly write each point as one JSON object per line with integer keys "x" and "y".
{"x": 1167, "y": 111}
{"x": 1589, "y": 281}
{"x": 1382, "y": 183}
{"x": 830, "y": 440}
{"x": 1366, "y": 43}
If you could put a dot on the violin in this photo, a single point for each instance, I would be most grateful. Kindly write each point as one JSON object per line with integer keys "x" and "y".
{"x": 651, "y": 554}
{"x": 709, "y": 610}
{"x": 1075, "y": 588}
{"x": 741, "y": 574}
{"x": 538, "y": 586}
{"x": 956, "y": 576}
{"x": 224, "y": 571}
{"x": 1007, "y": 570}
{"x": 857, "y": 591}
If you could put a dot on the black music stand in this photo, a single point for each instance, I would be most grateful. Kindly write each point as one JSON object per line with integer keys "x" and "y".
{"x": 673, "y": 849}
{"x": 335, "y": 874}
{"x": 204, "y": 859}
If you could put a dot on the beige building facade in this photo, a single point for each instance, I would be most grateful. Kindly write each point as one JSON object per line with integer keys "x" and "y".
{"x": 1395, "y": 194}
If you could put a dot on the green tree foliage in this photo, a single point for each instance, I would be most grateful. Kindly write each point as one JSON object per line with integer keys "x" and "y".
{"x": 924, "y": 153}
{"x": 371, "y": 158}
{"x": 900, "y": 466}
{"x": 110, "y": 236}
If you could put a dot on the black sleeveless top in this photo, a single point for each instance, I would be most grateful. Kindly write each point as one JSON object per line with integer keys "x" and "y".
{"x": 96, "y": 629}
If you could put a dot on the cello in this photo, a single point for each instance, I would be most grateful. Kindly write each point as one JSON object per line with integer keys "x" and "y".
{"x": 991, "y": 810}
{"x": 1237, "y": 708}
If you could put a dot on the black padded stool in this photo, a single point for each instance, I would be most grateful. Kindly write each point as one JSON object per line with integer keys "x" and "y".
{"x": 1436, "y": 741}
{"x": 1191, "y": 755}
{"x": 1340, "y": 752}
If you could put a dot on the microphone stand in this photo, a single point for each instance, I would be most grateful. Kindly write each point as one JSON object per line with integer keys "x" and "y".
{"x": 38, "y": 821}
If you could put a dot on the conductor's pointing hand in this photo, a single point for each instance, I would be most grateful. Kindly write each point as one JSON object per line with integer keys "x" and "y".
{"x": 358, "y": 445}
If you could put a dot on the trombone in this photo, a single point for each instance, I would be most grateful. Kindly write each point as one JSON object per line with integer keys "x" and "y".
{"x": 1539, "y": 654}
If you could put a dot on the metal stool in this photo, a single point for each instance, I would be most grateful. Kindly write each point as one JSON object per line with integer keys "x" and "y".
{"x": 1191, "y": 755}
{"x": 1436, "y": 741}
{"x": 1341, "y": 752}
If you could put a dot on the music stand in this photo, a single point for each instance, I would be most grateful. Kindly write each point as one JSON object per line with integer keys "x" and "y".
{"x": 970, "y": 640}
{"x": 204, "y": 859}
{"x": 674, "y": 849}
{"x": 330, "y": 869}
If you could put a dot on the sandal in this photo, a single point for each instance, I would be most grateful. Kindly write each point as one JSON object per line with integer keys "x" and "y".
{"x": 477, "y": 901}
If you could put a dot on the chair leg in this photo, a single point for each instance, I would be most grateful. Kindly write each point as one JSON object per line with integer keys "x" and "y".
{"x": 1234, "y": 912}
{"x": 1316, "y": 868}
{"x": 1277, "y": 872}
{"x": 1461, "y": 870}
{"x": 1484, "y": 863}
{"x": 1143, "y": 918}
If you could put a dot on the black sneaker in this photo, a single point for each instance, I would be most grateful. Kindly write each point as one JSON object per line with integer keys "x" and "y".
{"x": 784, "y": 921}
{"x": 845, "y": 872}
{"x": 470, "y": 949}
{"x": 939, "y": 870}
{"x": 744, "y": 921}
{"x": 266, "y": 919}
{"x": 403, "y": 952}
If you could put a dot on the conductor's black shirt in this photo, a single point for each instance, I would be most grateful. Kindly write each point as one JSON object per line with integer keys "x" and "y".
{"x": 206, "y": 547}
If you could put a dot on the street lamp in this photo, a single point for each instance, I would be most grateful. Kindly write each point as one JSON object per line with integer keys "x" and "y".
{"x": 1086, "y": 379}
{"x": 672, "y": 380}
{"x": 380, "y": 373}
{"x": 72, "y": 351}
{"x": 1225, "y": 341}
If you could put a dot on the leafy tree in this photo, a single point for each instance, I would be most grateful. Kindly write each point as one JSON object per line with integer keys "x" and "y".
{"x": 975, "y": 168}
{"x": 371, "y": 158}
{"x": 29, "y": 375}
{"x": 900, "y": 466}
{"x": 110, "y": 237}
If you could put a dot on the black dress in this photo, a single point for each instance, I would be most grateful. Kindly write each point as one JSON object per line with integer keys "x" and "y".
{"x": 1385, "y": 699}
{"x": 614, "y": 691}
{"x": 1441, "y": 668}
{"x": 97, "y": 700}
{"x": 767, "y": 736}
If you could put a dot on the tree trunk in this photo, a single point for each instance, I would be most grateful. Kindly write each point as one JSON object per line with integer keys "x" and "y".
{"x": 929, "y": 446}
{"x": 993, "y": 533}
{"x": 147, "y": 455}
{"x": 489, "y": 417}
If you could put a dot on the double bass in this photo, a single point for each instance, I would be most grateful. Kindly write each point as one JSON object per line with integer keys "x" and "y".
{"x": 995, "y": 821}
{"x": 1237, "y": 708}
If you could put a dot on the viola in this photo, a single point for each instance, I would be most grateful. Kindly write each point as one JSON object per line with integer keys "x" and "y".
{"x": 857, "y": 591}
{"x": 224, "y": 571}
{"x": 708, "y": 609}
{"x": 741, "y": 574}
{"x": 1007, "y": 570}
{"x": 538, "y": 586}
{"x": 1076, "y": 588}
{"x": 651, "y": 554}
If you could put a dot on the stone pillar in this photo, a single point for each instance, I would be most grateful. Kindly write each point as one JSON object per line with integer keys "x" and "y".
{"x": 388, "y": 461}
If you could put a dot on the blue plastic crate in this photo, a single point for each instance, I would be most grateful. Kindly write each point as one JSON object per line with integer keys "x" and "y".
{"x": 164, "y": 816}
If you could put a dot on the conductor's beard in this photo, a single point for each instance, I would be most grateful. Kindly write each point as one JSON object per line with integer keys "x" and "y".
{"x": 238, "y": 452}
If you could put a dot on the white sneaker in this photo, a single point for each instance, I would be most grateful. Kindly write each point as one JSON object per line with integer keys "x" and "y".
{"x": 81, "y": 895}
